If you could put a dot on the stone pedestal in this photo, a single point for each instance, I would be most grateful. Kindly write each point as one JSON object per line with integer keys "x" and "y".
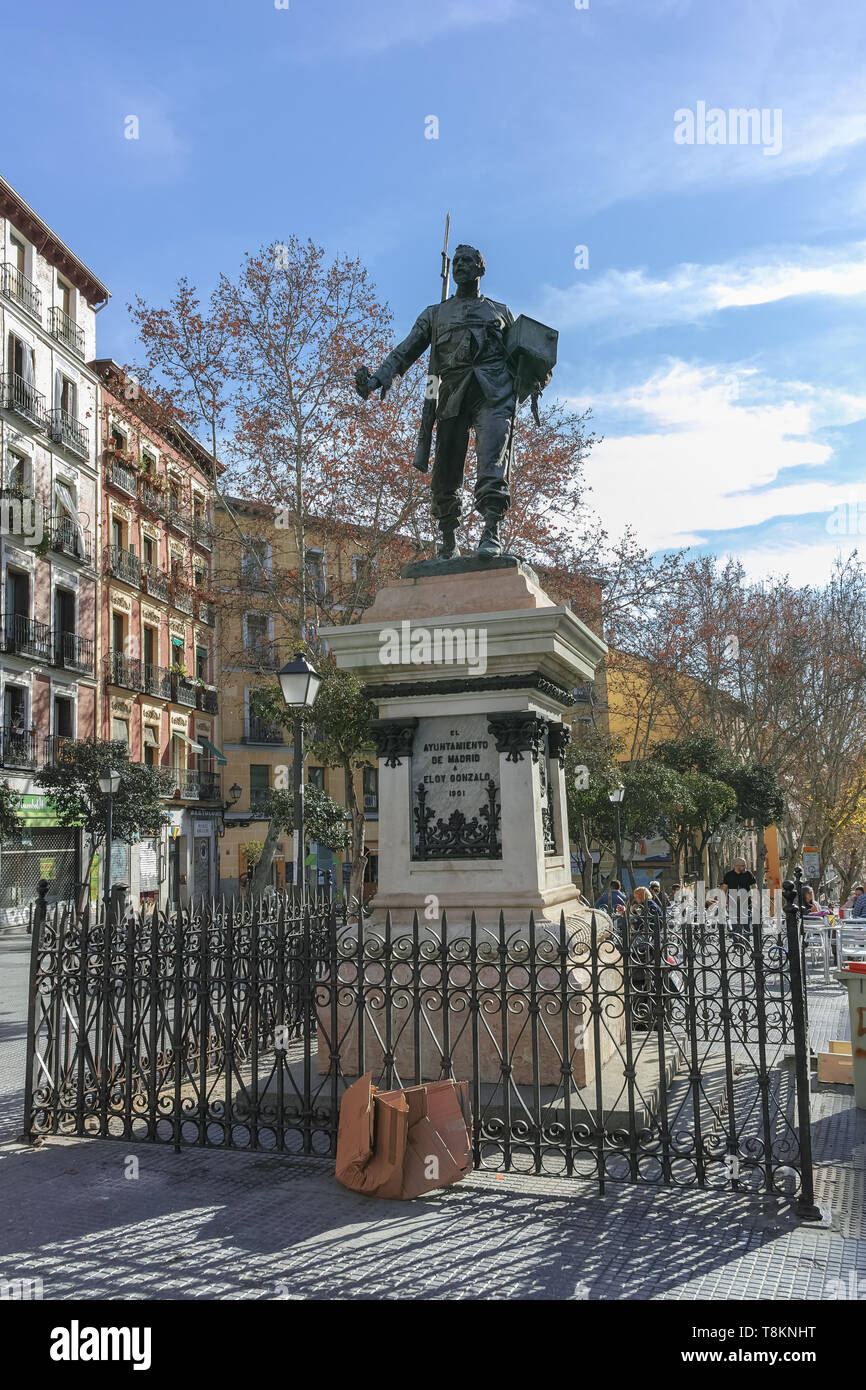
{"x": 471, "y": 666}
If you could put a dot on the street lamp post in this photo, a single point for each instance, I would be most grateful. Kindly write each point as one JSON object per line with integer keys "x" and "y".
{"x": 616, "y": 797}
{"x": 109, "y": 785}
{"x": 299, "y": 682}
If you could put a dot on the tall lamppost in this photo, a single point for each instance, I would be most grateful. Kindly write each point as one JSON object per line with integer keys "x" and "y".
{"x": 299, "y": 682}
{"x": 109, "y": 785}
{"x": 616, "y": 797}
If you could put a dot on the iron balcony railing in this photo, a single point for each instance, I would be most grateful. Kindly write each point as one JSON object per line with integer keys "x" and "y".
{"x": 26, "y": 637}
{"x": 68, "y": 539}
{"x": 264, "y": 731}
{"x": 16, "y": 286}
{"x": 183, "y": 690}
{"x": 205, "y": 610}
{"x": 202, "y": 530}
{"x": 252, "y": 576}
{"x": 66, "y": 330}
{"x": 152, "y": 499}
{"x": 73, "y": 653}
{"x": 122, "y": 476}
{"x": 17, "y": 747}
{"x": 123, "y": 670}
{"x": 156, "y": 581}
{"x": 178, "y": 516}
{"x": 193, "y": 784}
{"x": 207, "y": 699}
{"x": 371, "y": 801}
{"x": 182, "y": 596}
{"x": 52, "y": 748}
{"x": 156, "y": 680}
{"x": 69, "y": 432}
{"x": 123, "y": 564}
{"x": 22, "y": 397}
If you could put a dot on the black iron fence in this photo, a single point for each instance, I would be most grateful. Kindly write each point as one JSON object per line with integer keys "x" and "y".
{"x": 645, "y": 1054}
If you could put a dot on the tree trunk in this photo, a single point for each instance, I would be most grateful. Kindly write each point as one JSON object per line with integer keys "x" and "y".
{"x": 262, "y": 871}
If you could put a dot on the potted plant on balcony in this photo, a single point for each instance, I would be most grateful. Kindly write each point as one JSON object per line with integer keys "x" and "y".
{"x": 178, "y": 669}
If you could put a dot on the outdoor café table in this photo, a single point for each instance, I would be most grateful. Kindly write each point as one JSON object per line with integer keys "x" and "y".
{"x": 819, "y": 923}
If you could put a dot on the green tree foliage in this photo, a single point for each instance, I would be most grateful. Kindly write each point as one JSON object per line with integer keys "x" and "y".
{"x": 72, "y": 782}
{"x": 10, "y": 801}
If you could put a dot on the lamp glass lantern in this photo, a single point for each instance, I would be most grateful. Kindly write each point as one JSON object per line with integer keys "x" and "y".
{"x": 109, "y": 782}
{"x": 617, "y": 794}
{"x": 234, "y": 794}
{"x": 299, "y": 682}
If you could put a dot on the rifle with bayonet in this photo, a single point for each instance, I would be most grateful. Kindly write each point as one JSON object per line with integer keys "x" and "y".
{"x": 421, "y": 461}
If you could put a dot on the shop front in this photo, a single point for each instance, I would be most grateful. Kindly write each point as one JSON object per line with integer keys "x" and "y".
{"x": 41, "y": 849}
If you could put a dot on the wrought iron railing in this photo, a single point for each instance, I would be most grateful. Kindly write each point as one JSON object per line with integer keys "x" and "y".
{"x": 66, "y": 330}
{"x": 202, "y": 531}
{"x": 22, "y": 397}
{"x": 156, "y": 581}
{"x": 264, "y": 730}
{"x": 123, "y": 670}
{"x": 585, "y": 1056}
{"x": 69, "y": 432}
{"x": 74, "y": 653}
{"x": 183, "y": 690}
{"x": 16, "y": 285}
{"x": 207, "y": 699}
{"x": 152, "y": 498}
{"x": 123, "y": 564}
{"x": 181, "y": 596}
{"x": 18, "y": 747}
{"x": 122, "y": 475}
{"x": 205, "y": 611}
{"x": 68, "y": 539}
{"x": 26, "y": 636}
{"x": 52, "y": 748}
{"x": 178, "y": 516}
{"x": 156, "y": 680}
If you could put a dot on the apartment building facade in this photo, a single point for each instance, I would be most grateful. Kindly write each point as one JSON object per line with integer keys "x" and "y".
{"x": 254, "y": 557}
{"x": 158, "y": 618}
{"x": 49, "y": 534}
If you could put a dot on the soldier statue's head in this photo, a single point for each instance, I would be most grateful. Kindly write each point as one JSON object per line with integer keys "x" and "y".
{"x": 467, "y": 264}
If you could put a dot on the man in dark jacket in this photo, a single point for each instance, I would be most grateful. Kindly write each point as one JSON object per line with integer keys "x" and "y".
{"x": 858, "y": 907}
{"x": 613, "y": 898}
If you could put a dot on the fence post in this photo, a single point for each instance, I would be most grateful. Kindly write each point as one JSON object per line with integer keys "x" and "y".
{"x": 28, "y": 1137}
{"x": 807, "y": 1209}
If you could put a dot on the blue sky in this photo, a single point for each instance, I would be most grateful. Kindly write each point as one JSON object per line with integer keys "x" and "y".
{"x": 718, "y": 331}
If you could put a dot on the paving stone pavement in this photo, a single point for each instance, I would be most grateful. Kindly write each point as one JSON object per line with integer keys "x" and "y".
{"x": 206, "y": 1224}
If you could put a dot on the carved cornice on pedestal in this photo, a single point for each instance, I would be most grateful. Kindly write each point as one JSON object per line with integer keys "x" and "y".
{"x": 394, "y": 739}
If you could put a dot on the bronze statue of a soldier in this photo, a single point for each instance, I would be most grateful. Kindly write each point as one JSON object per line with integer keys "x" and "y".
{"x": 475, "y": 380}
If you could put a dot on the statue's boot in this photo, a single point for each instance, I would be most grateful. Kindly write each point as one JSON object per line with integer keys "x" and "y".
{"x": 490, "y": 543}
{"x": 447, "y": 549}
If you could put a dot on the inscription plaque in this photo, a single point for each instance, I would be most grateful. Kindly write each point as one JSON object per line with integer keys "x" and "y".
{"x": 455, "y": 789}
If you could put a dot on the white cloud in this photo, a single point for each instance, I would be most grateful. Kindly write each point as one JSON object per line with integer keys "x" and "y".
{"x": 631, "y": 301}
{"x": 706, "y": 449}
{"x": 384, "y": 27}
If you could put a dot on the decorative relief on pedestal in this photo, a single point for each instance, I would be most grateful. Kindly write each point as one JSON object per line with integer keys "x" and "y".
{"x": 457, "y": 837}
{"x": 517, "y": 732}
{"x": 393, "y": 739}
{"x": 532, "y": 680}
{"x": 548, "y": 827}
{"x": 559, "y": 737}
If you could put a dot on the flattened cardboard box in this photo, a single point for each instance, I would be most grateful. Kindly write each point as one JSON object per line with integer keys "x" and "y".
{"x": 400, "y": 1144}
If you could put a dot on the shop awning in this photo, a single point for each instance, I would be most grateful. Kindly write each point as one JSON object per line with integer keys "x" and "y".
{"x": 190, "y": 743}
{"x": 211, "y": 748}
{"x": 150, "y": 738}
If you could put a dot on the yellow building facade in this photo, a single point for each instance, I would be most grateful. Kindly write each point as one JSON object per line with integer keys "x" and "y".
{"x": 257, "y": 580}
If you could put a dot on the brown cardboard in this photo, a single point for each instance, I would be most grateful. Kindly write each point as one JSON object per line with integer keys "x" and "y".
{"x": 837, "y": 1065}
{"x": 400, "y": 1144}
{"x": 371, "y": 1139}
